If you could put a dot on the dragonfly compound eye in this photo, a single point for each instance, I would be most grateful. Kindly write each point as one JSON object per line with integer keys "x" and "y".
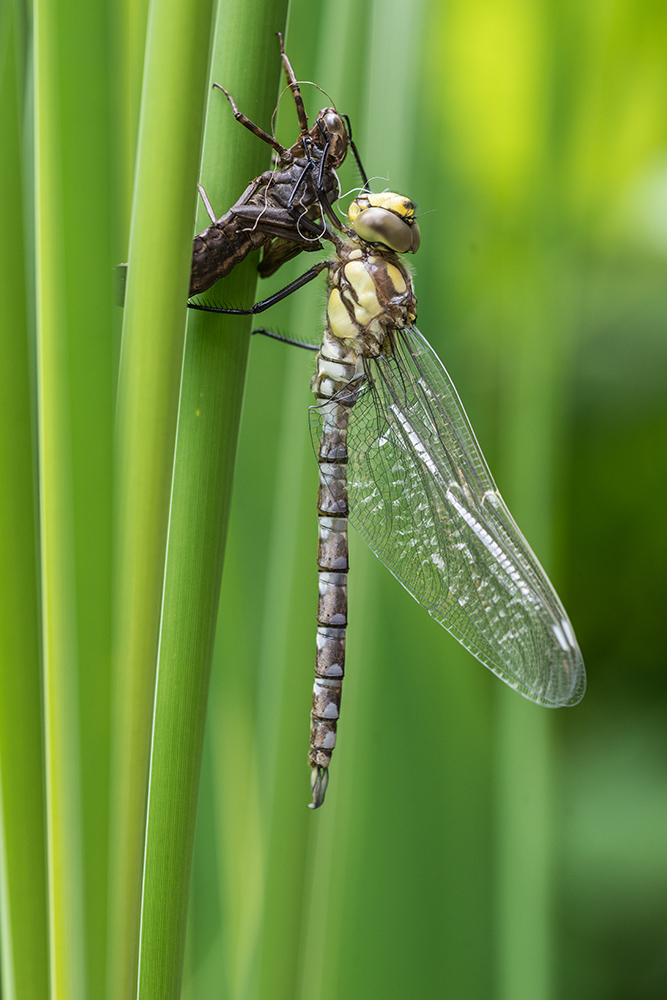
{"x": 378, "y": 225}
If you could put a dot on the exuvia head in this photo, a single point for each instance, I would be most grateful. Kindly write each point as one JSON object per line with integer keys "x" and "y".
{"x": 386, "y": 218}
{"x": 330, "y": 128}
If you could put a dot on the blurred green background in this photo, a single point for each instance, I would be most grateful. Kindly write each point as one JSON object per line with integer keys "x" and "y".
{"x": 472, "y": 845}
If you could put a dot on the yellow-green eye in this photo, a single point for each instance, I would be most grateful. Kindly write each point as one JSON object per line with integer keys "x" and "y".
{"x": 377, "y": 225}
{"x": 385, "y": 218}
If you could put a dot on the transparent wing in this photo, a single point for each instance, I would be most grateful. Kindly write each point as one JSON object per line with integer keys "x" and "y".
{"x": 422, "y": 497}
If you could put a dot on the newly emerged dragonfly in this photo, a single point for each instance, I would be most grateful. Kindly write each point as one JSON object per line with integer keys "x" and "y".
{"x": 398, "y": 457}
{"x": 284, "y": 209}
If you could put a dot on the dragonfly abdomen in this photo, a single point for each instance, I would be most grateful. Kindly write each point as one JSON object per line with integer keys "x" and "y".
{"x": 332, "y": 566}
{"x": 337, "y": 366}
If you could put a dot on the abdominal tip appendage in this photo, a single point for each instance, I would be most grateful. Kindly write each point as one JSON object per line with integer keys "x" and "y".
{"x": 319, "y": 779}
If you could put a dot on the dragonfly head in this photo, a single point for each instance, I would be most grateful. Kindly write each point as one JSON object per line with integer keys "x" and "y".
{"x": 385, "y": 218}
{"x": 330, "y": 128}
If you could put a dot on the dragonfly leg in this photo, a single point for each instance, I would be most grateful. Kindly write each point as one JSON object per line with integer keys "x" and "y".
{"x": 272, "y": 299}
{"x": 324, "y": 202}
{"x": 207, "y": 204}
{"x": 285, "y": 340}
{"x": 309, "y": 166}
{"x": 255, "y": 129}
{"x": 294, "y": 87}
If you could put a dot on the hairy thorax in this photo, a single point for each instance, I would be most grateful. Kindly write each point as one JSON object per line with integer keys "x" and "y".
{"x": 370, "y": 294}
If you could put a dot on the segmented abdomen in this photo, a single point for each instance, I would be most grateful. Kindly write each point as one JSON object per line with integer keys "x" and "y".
{"x": 332, "y": 565}
{"x": 330, "y": 382}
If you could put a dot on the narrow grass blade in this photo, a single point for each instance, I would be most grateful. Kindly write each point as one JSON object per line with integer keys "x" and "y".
{"x": 153, "y": 335}
{"x": 23, "y": 899}
{"x": 210, "y": 409}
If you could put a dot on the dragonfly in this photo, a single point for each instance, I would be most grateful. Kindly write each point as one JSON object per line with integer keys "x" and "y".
{"x": 398, "y": 458}
{"x": 285, "y": 210}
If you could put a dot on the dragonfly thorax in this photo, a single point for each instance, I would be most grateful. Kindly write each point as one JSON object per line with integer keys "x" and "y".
{"x": 370, "y": 294}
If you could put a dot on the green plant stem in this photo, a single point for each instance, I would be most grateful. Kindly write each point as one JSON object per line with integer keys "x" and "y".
{"x": 209, "y": 415}
{"x": 58, "y": 596}
{"x": 23, "y": 901}
{"x": 169, "y": 144}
